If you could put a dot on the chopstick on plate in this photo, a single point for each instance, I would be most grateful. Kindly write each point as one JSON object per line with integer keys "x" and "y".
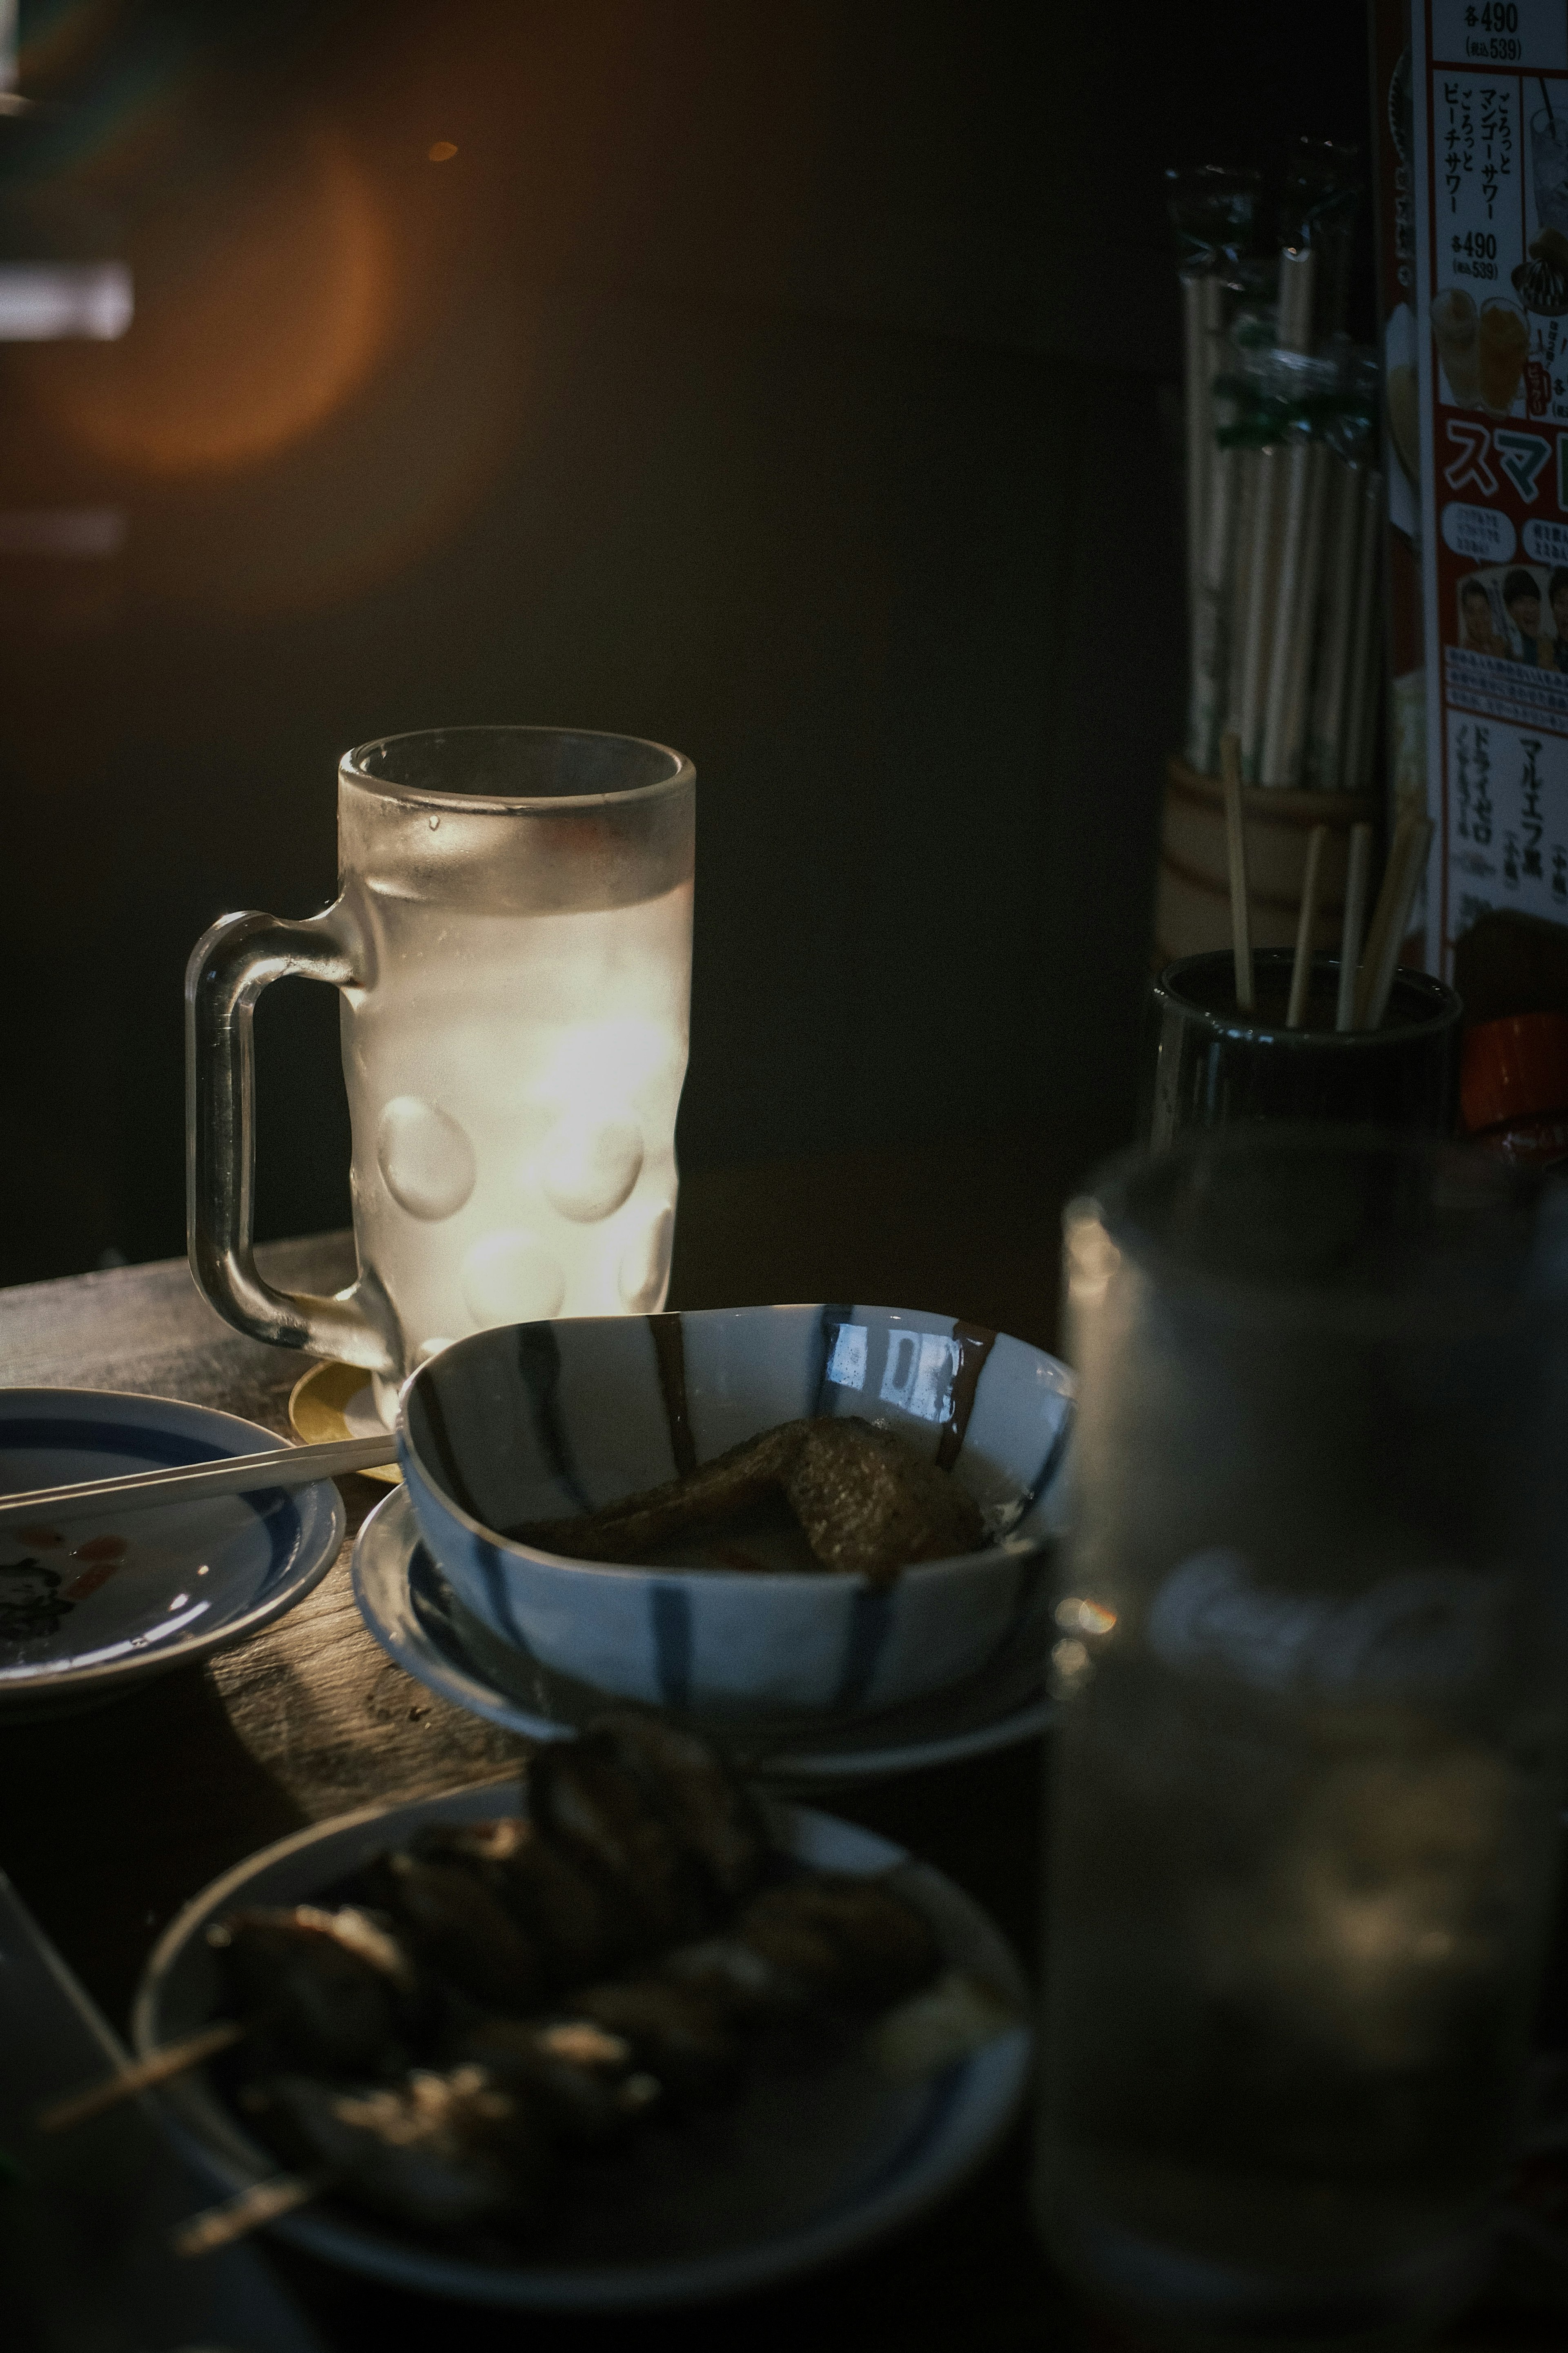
{"x": 190, "y": 1483}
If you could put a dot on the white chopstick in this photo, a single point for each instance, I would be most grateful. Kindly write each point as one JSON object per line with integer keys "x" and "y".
{"x": 187, "y": 1482}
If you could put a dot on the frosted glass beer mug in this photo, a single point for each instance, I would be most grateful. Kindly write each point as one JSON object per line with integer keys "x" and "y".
{"x": 1306, "y": 1793}
{"x": 512, "y": 945}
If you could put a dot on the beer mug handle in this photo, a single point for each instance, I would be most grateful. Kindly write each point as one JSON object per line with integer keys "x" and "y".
{"x": 229, "y": 967}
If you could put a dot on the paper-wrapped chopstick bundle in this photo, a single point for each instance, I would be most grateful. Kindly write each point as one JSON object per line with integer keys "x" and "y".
{"x": 1284, "y": 500}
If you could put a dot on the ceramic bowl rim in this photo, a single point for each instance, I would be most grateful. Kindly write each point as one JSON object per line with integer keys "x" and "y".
{"x": 1007, "y": 1549}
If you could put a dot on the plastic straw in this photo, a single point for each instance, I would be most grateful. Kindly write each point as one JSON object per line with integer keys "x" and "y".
{"x": 1341, "y": 573}
{"x": 1263, "y": 577}
{"x": 1295, "y": 604}
{"x": 1211, "y": 644}
{"x": 1298, "y": 284}
{"x": 1301, "y": 969}
{"x": 1354, "y": 734}
{"x": 1249, "y": 477}
{"x": 1356, "y": 874}
{"x": 1306, "y": 632}
{"x": 1235, "y": 845}
{"x": 1203, "y": 304}
{"x": 1361, "y": 753}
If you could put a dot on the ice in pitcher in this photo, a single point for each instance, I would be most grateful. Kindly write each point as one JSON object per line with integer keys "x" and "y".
{"x": 513, "y": 1081}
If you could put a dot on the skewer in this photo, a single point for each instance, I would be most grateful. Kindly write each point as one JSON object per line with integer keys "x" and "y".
{"x": 1406, "y": 882}
{"x": 1301, "y": 970}
{"x": 1236, "y": 844}
{"x": 263, "y": 2202}
{"x": 187, "y": 1482}
{"x": 1355, "y": 915}
{"x": 159, "y": 2067}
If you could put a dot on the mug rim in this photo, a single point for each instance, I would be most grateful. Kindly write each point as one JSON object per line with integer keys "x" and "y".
{"x": 1448, "y": 1005}
{"x": 352, "y": 769}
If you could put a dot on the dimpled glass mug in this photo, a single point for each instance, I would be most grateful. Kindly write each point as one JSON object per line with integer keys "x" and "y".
{"x": 513, "y": 943}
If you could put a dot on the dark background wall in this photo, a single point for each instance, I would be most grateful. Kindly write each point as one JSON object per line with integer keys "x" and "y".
{"x": 797, "y": 386}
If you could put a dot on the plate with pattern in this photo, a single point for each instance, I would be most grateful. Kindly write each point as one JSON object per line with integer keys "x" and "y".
{"x": 93, "y": 1601}
{"x": 810, "y": 2164}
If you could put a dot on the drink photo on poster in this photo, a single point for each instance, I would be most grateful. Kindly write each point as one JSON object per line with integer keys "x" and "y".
{"x": 1482, "y": 353}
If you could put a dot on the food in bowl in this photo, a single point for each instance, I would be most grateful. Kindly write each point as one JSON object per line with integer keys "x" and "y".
{"x": 467, "y": 2036}
{"x": 857, "y": 1499}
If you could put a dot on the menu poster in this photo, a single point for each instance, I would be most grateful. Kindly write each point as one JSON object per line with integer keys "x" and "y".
{"x": 1489, "y": 87}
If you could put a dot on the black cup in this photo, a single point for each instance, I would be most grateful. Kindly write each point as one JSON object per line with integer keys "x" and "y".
{"x": 1206, "y": 1064}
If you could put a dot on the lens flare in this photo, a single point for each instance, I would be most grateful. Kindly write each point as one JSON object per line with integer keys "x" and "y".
{"x": 260, "y": 313}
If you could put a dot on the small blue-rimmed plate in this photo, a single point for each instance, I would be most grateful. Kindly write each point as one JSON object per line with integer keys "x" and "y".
{"x": 91, "y": 1602}
{"x": 414, "y": 1615}
{"x": 808, "y": 2165}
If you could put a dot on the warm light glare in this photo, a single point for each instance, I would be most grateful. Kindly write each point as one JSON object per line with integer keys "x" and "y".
{"x": 267, "y": 316}
{"x": 1076, "y": 1616}
{"x": 441, "y": 152}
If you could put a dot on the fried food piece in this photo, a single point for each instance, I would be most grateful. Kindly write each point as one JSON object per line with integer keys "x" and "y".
{"x": 711, "y": 1816}
{"x": 729, "y": 1487}
{"x": 581, "y": 1925}
{"x": 440, "y": 2151}
{"x": 586, "y": 1800}
{"x": 867, "y": 1503}
{"x": 584, "y": 2078}
{"x": 740, "y": 1982}
{"x": 870, "y": 1505}
{"x": 680, "y": 2036}
{"x": 843, "y": 1938}
{"x": 457, "y": 1928}
{"x": 332, "y": 1991}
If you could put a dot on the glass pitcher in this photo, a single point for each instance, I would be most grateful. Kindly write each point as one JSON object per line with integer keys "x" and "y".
{"x": 513, "y": 943}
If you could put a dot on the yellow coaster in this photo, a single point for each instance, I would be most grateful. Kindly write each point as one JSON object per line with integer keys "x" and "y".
{"x": 318, "y": 1409}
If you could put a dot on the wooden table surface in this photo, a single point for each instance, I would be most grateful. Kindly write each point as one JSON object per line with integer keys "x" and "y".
{"x": 111, "y": 1820}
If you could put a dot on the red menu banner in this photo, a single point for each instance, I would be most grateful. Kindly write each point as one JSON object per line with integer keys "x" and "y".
{"x": 1489, "y": 92}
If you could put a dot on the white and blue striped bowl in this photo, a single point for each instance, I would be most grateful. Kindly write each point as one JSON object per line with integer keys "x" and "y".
{"x": 533, "y": 1421}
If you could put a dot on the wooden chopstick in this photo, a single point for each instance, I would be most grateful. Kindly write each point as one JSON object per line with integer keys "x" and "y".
{"x": 1301, "y": 970}
{"x": 1406, "y": 882}
{"x": 185, "y": 1482}
{"x": 1382, "y": 920}
{"x": 1356, "y": 916}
